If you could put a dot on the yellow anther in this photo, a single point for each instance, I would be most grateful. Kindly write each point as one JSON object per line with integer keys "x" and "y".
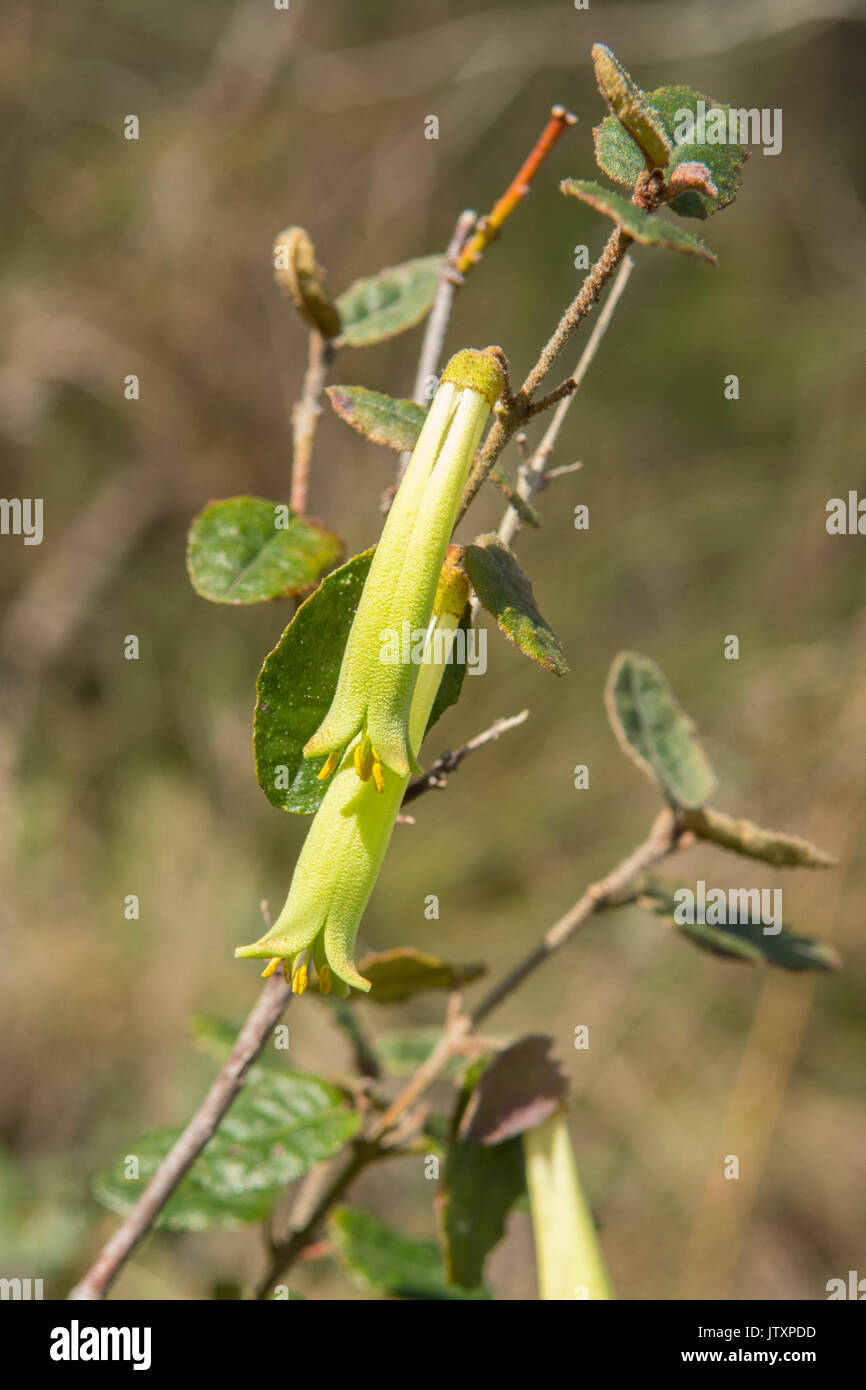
{"x": 299, "y": 980}
{"x": 364, "y": 758}
{"x": 325, "y": 980}
{"x": 333, "y": 759}
{"x": 270, "y": 967}
{"x": 378, "y": 777}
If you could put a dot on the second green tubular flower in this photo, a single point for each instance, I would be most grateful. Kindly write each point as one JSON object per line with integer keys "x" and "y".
{"x": 373, "y": 699}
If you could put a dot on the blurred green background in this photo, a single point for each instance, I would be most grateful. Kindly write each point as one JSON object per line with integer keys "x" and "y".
{"x": 707, "y": 518}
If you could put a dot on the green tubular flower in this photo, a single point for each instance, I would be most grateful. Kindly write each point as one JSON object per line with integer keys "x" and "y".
{"x": 568, "y": 1255}
{"x": 343, "y": 852}
{"x": 373, "y": 699}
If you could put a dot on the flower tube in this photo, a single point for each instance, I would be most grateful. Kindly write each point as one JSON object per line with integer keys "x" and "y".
{"x": 372, "y": 700}
{"x": 343, "y": 852}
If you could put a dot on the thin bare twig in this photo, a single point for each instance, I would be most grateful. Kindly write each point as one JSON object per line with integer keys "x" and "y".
{"x": 285, "y": 1254}
{"x": 437, "y": 326}
{"x": 263, "y": 1017}
{"x": 450, "y": 280}
{"x": 489, "y": 227}
{"x": 449, "y": 762}
{"x": 665, "y": 836}
{"x": 305, "y": 417}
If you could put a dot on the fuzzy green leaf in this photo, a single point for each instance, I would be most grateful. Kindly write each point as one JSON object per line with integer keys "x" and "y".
{"x": 386, "y": 304}
{"x": 277, "y": 1129}
{"x": 655, "y": 732}
{"x": 296, "y": 685}
{"x": 303, "y": 281}
{"x": 618, "y": 156}
{"x": 403, "y": 972}
{"x": 381, "y": 1259}
{"x": 641, "y": 226}
{"x": 240, "y": 551}
{"x": 744, "y": 837}
{"x": 748, "y": 941}
{"x": 384, "y": 419}
{"x": 629, "y": 104}
{"x": 480, "y": 1186}
{"x": 504, "y": 590}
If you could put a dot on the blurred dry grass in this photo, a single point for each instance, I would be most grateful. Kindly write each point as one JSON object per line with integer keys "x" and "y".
{"x": 707, "y": 517}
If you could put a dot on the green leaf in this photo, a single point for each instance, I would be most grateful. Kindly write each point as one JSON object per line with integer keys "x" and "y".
{"x": 655, "y": 732}
{"x": 403, "y": 972}
{"x": 747, "y": 941}
{"x": 277, "y": 1129}
{"x": 385, "y": 419}
{"x": 520, "y": 1088}
{"x": 303, "y": 281}
{"x": 629, "y": 104}
{"x": 297, "y": 682}
{"x": 481, "y": 1185}
{"x": 641, "y": 226}
{"x": 744, "y": 837}
{"x": 504, "y": 590}
{"x": 382, "y": 1259}
{"x": 296, "y": 685}
{"x": 388, "y": 303}
{"x": 618, "y": 156}
{"x": 247, "y": 550}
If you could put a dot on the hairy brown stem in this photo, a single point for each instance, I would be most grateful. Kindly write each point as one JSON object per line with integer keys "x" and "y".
{"x": 584, "y": 301}
{"x": 648, "y": 193}
{"x": 305, "y": 417}
{"x": 284, "y": 1255}
{"x": 534, "y": 470}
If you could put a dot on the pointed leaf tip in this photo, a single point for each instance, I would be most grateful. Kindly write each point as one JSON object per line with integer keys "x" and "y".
{"x": 303, "y": 281}
{"x": 505, "y": 591}
{"x": 384, "y": 419}
{"x": 631, "y": 108}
